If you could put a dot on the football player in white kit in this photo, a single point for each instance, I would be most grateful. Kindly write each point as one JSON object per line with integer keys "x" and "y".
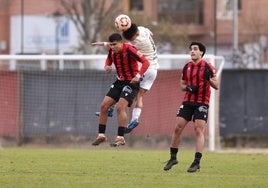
{"x": 141, "y": 38}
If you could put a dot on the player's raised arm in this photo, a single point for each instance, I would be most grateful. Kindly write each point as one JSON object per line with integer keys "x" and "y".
{"x": 105, "y": 44}
{"x": 99, "y": 43}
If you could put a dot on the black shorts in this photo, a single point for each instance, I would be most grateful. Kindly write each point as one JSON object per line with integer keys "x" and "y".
{"x": 123, "y": 89}
{"x": 193, "y": 111}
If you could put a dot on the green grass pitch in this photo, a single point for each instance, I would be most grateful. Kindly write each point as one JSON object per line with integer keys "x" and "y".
{"x": 126, "y": 167}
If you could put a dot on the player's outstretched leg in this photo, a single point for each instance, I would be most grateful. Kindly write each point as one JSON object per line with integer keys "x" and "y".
{"x": 110, "y": 112}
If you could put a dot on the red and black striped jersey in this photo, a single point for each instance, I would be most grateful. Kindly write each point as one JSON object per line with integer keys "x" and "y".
{"x": 194, "y": 75}
{"x": 126, "y": 62}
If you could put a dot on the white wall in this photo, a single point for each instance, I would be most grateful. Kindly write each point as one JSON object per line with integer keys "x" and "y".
{"x": 39, "y": 35}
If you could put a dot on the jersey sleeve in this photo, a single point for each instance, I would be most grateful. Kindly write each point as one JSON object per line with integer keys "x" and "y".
{"x": 212, "y": 69}
{"x": 109, "y": 59}
{"x": 183, "y": 77}
{"x": 139, "y": 57}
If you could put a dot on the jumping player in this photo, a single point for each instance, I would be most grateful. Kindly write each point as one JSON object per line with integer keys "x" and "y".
{"x": 124, "y": 90}
{"x": 141, "y": 38}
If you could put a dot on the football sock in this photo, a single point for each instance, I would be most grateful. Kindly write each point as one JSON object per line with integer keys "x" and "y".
{"x": 198, "y": 157}
{"x": 121, "y": 131}
{"x": 102, "y": 128}
{"x": 136, "y": 112}
{"x": 173, "y": 153}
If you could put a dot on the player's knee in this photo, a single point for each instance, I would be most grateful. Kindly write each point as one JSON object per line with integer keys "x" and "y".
{"x": 104, "y": 106}
{"x": 178, "y": 129}
{"x": 120, "y": 108}
{"x": 199, "y": 130}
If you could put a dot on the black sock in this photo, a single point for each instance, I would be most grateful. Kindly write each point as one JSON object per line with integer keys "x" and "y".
{"x": 121, "y": 131}
{"x": 197, "y": 157}
{"x": 102, "y": 128}
{"x": 173, "y": 153}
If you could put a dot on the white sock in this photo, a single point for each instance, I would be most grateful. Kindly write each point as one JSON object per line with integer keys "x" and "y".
{"x": 136, "y": 113}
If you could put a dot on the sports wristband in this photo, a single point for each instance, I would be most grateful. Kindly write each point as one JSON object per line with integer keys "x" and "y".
{"x": 105, "y": 43}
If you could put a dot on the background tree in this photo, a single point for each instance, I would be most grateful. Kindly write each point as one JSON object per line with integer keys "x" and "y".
{"x": 93, "y": 19}
{"x": 251, "y": 53}
{"x": 169, "y": 38}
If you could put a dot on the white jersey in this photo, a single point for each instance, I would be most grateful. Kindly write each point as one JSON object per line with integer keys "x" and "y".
{"x": 145, "y": 44}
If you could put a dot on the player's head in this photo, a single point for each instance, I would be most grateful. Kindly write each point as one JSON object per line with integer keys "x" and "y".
{"x": 201, "y": 47}
{"x": 115, "y": 42}
{"x": 115, "y": 37}
{"x": 131, "y": 32}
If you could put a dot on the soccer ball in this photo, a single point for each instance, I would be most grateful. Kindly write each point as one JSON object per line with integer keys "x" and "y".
{"x": 122, "y": 22}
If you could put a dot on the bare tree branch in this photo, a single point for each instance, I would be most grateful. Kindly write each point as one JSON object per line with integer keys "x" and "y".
{"x": 91, "y": 17}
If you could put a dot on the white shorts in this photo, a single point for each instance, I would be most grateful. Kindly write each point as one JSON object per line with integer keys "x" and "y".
{"x": 148, "y": 79}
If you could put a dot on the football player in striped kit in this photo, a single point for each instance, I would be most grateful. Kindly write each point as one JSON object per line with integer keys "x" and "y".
{"x": 198, "y": 77}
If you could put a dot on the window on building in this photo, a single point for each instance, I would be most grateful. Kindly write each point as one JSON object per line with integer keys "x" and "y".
{"x": 225, "y": 8}
{"x": 181, "y": 11}
{"x": 136, "y": 5}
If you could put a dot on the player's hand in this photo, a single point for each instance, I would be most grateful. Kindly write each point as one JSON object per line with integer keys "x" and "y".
{"x": 208, "y": 74}
{"x": 192, "y": 89}
{"x": 135, "y": 80}
{"x": 108, "y": 69}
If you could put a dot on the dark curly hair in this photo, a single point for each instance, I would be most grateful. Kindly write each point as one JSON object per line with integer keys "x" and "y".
{"x": 201, "y": 47}
{"x": 128, "y": 34}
